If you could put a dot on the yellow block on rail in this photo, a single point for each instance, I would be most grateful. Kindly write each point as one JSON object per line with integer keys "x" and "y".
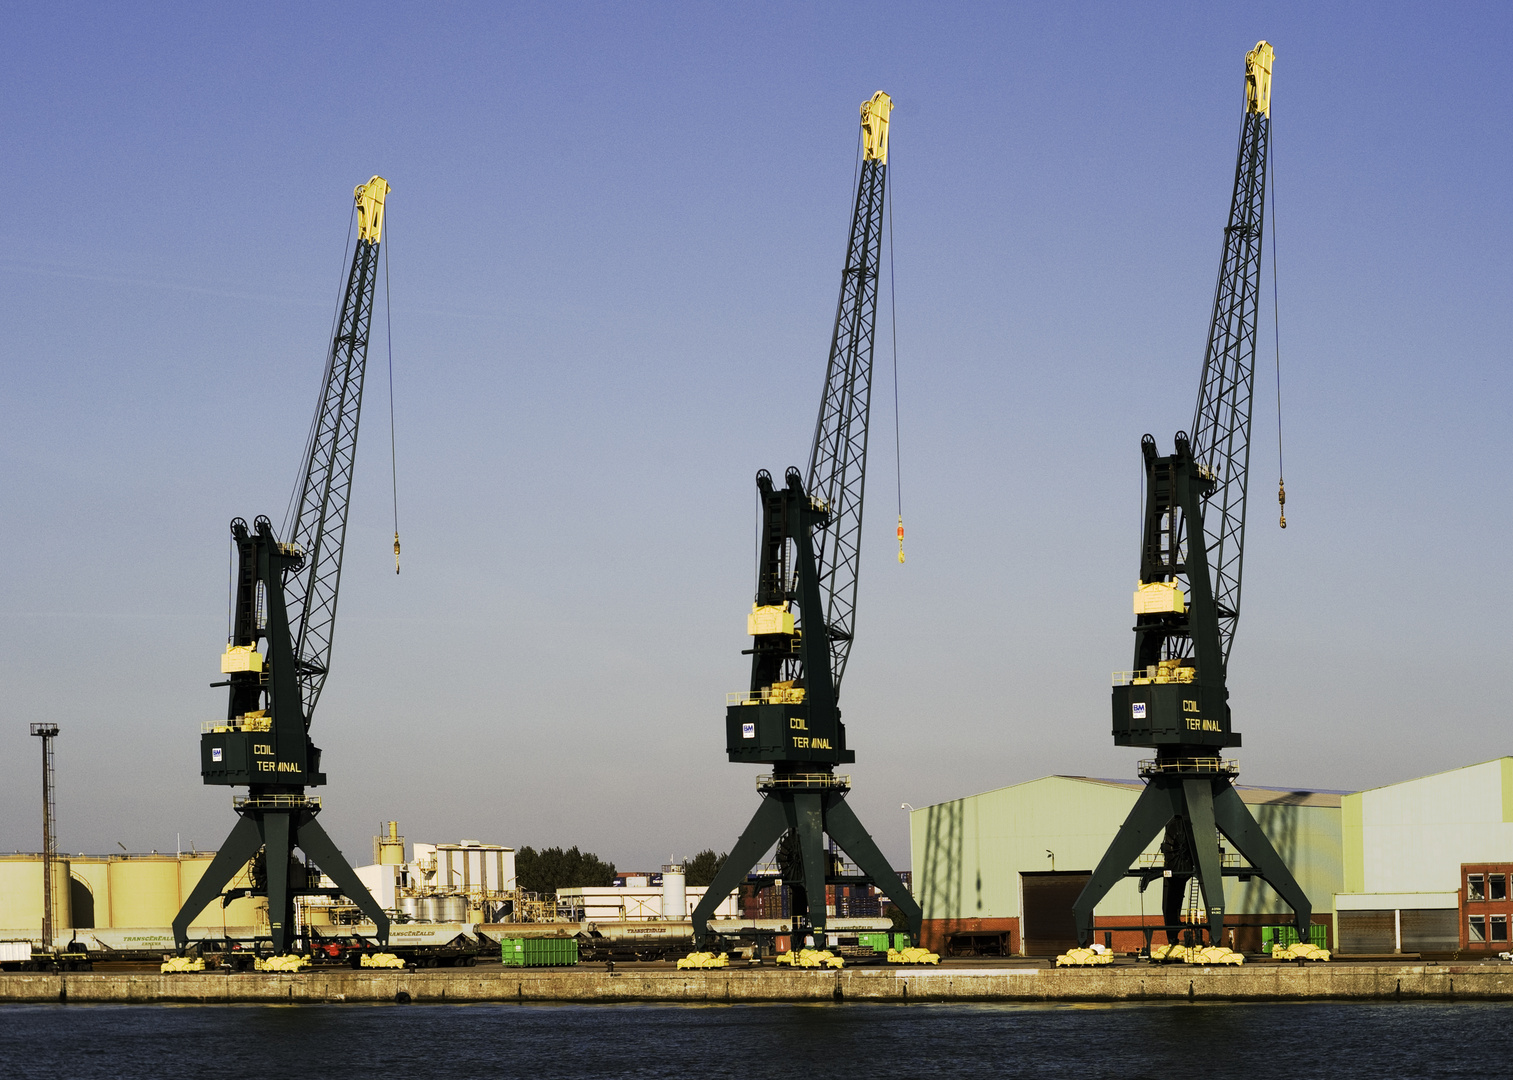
{"x": 288, "y": 962}
{"x": 380, "y": 960}
{"x": 704, "y": 960}
{"x": 1299, "y": 950}
{"x": 1085, "y": 958}
{"x": 913, "y": 955}
{"x": 811, "y": 958}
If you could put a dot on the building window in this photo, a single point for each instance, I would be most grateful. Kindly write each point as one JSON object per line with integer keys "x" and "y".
{"x": 1478, "y": 925}
{"x": 1476, "y": 888}
{"x": 1499, "y": 928}
{"x": 1497, "y": 886}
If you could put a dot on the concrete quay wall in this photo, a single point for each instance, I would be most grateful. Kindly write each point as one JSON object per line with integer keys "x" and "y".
{"x": 1028, "y": 984}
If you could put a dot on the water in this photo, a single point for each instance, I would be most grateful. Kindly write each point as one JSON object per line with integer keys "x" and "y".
{"x": 751, "y": 1042}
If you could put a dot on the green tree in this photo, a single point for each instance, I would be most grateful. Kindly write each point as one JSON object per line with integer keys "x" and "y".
{"x": 550, "y": 869}
{"x": 702, "y": 868}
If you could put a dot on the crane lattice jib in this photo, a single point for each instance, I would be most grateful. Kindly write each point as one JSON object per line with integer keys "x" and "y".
{"x": 320, "y": 528}
{"x": 838, "y": 461}
{"x": 1221, "y": 423}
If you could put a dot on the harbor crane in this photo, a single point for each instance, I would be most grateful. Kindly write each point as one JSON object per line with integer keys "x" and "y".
{"x": 283, "y": 613}
{"x": 1187, "y": 605}
{"x": 803, "y": 618}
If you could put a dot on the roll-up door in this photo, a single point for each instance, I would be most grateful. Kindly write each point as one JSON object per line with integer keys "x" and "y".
{"x": 1047, "y": 925}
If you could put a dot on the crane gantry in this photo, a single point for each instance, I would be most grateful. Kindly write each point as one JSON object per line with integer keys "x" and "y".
{"x": 803, "y": 616}
{"x": 283, "y": 613}
{"x": 1187, "y": 605}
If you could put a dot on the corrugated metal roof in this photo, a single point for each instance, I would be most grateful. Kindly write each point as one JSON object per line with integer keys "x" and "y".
{"x": 1442, "y": 772}
{"x": 1251, "y": 794}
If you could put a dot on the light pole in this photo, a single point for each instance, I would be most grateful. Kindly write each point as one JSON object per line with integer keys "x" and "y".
{"x": 47, "y": 732}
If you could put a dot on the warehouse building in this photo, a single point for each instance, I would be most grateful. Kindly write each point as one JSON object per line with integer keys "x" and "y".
{"x": 997, "y": 872}
{"x": 1428, "y": 862}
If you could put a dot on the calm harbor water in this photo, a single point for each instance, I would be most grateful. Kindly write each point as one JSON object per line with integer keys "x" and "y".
{"x": 751, "y": 1042}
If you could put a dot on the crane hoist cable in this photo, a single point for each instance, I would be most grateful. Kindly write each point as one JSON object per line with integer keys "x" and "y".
{"x": 898, "y": 453}
{"x": 1276, "y": 334}
{"x": 393, "y": 452}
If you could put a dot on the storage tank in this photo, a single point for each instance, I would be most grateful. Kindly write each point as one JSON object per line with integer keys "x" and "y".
{"x": 389, "y": 849}
{"x": 21, "y": 895}
{"x": 91, "y": 891}
{"x": 451, "y": 909}
{"x": 243, "y": 911}
{"x": 410, "y": 906}
{"x": 674, "y": 892}
{"x": 430, "y": 908}
{"x": 144, "y": 890}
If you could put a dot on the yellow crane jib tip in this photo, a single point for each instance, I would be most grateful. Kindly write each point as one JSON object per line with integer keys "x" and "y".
{"x": 370, "y": 208}
{"x": 1258, "y": 78}
{"x": 875, "y": 127}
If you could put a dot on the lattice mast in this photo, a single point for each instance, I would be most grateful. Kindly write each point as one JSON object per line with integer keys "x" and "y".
{"x": 838, "y": 461}
{"x": 1221, "y": 421}
{"x": 320, "y": 524}
{"x": 47, "y": 733}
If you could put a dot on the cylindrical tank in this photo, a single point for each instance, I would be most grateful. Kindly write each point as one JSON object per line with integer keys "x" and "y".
{"x": 410, "y": 906}
{"x": 21, "y": 896}
{"x": 91, "y": 891}
{"x": 245, "y": 911}
{"x": 430, "y": 907}
{"x": 192, "y": 867}
{"x": 391, "y": 846}
{"x": 674, "y": 892}
{"x": 451, "y": 909}
{"x": 144, "y": 890}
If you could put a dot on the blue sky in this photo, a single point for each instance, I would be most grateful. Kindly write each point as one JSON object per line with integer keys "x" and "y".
{"x": 614, "y": 238}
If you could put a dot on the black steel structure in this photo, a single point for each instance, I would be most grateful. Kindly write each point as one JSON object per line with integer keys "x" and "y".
{"x": 803, "y": 617}
{"x": 1175, "y": 700}
{"x": 282, "y": 616}
{"x": 47, "y": 733}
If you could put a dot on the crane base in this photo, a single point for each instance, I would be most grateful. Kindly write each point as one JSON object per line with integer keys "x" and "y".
{"x": 278, "y": 824}
{"x": 811, "y": 812}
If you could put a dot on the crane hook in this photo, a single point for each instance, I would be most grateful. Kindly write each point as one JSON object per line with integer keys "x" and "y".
{"x": 900, "y": 539}
{"x": 396, "y": 553}
{"x": 1282, "y": 500}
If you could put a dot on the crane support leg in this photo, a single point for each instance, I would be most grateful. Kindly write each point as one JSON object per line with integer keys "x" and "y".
{"x": 1173, "y": 900}
{"x": 809, "y": 823}
{"x": 1148, "y": 817}
{"x": 235, "y": 853}
{"x": 766, "y": 828}
{"x": 1235, "y": 822}
{"x": 314, "y": 842}
{"x": 846, "y": 830}
{"x": 1199, "y": 795}
{"x": 277, "y": 850}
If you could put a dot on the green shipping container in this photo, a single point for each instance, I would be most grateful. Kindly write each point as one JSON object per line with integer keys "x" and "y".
{"x": 879, "y": 941}
{"x": 539, "y": 952}
{"x": 1288, "y": 935}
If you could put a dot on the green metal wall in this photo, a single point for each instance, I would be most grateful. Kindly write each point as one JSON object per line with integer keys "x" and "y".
{"x": 967, "y": 854}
